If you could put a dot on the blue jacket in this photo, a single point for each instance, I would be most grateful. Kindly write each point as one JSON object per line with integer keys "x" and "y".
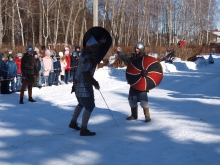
{"x": 11, "y": 68}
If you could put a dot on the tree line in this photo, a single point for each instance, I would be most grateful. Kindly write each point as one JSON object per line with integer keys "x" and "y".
{"x": 155, "y": 22}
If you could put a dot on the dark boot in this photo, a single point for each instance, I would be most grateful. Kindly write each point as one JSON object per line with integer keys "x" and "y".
{"x": 147, "y": 115}
{"x": 21, "y": 100}
{"x": 86, "y": 132}
{"x": 74, "y": 125}
{"x": 31, "y": 99}
{"x": 134, "y": 115}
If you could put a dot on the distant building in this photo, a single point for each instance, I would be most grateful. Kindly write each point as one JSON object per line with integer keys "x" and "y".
{"x": 215, "y": 37}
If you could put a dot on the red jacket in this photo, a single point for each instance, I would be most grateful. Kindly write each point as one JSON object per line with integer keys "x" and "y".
{"x": 18, "y": 63}
{"x": 68, "y": 61}
{"x": 182, "y": 43}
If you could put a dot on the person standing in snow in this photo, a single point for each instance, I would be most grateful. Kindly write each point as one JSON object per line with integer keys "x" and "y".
{"x": 63, "y": 64}
{"x": 83, "y": 84}
{"x": 68, "y": 68}
{"x": 57, "y": 70}
{"x": 135, "y": 95}
{"x": 3, "y": 75}
{"x": 41, "y": 73}
{"x": 11, "y": 69}
{"x": 29, "y": 71}
{"x": 74, "y": 62}
{"x": 18, "y": 74}
{"x": 210, "y": 59}
{"x": 47, "y": 66}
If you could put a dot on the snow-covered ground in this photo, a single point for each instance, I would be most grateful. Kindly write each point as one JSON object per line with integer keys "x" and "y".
{"x": 185, "y": 126}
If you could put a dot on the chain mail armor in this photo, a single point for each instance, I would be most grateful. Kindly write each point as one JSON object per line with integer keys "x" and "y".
{"x": 82, "y": 88}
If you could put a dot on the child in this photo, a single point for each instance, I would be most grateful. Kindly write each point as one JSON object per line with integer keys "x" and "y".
{"x": 11, "y": 68}
{"x": 18, "y": 74}
{"x": 63, "y": 65}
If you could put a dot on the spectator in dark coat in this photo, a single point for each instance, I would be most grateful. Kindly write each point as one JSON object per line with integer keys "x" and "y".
{"x": 11, "y": 68}
{"x": 57, "y": 70}
{"x": 3, "y": 75}
{"x": 29, "y": 71}
{"x": 73, "y": 64}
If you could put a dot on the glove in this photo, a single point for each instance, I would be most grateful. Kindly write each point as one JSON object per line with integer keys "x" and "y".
{"x": 97, "y": 85}
{"x": 73, "y": 89}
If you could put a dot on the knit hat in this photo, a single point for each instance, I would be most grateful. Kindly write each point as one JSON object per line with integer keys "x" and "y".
{"x": 30, "y": 49}
{"x": 61, "y": 54}
{"x": 19, "y": 55}
{"x": 10, "y": 56}
{"x": 66, "y": 48}
{"x": 74, "y": 53}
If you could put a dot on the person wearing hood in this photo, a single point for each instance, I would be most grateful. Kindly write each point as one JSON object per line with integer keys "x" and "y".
{"x": 29, "y": 71}
{"x": 57, "y": 70}
{"x": 77, "y": 50}
{"x": 18, "y": 75}
{"x": 11, "y": 68}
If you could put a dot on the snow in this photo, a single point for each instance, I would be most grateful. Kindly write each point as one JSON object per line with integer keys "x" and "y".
{"x": 185, "y": 127}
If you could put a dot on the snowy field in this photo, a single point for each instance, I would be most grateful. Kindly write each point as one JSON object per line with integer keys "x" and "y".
{"x": 185, "y": 126}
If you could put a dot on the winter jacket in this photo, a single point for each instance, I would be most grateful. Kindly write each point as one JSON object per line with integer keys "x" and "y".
{"x": 211, "y": 60}
{"x": 3, "y": 72}
{"x": 29, "y": 68}
{"x": 57, "y": 65}
{"x": 18, "y": 63}
{"x": 63, "y": 65}
{"x": 74, "y": 62}
{"x": 47, "y": 65}
{"x": 54, "y": 59}
{"x": 68, "y": 61}
{"x": 11, "y": 68}
{"x": 38, "y": 64}
{"x": 41, "y": 71}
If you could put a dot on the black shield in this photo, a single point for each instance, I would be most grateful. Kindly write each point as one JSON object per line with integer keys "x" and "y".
{"x": 103, "y": 37}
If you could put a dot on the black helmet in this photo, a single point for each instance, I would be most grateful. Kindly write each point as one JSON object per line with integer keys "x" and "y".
{"x": 140, "y": 46}
{"x": 30, "y": 49}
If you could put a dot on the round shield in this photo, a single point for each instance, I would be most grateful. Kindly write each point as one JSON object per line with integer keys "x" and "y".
{"x": 102, "y": 36}
{"x": 144, "y": 73}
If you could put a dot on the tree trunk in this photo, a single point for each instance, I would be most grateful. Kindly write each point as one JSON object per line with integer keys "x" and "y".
{"x": 40, "y": 23}
{"x": 13, "y": 26}
{"x": 1, "y": 25}
{"x": 21, "y": 24}
{"x": 68, "y": 25}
